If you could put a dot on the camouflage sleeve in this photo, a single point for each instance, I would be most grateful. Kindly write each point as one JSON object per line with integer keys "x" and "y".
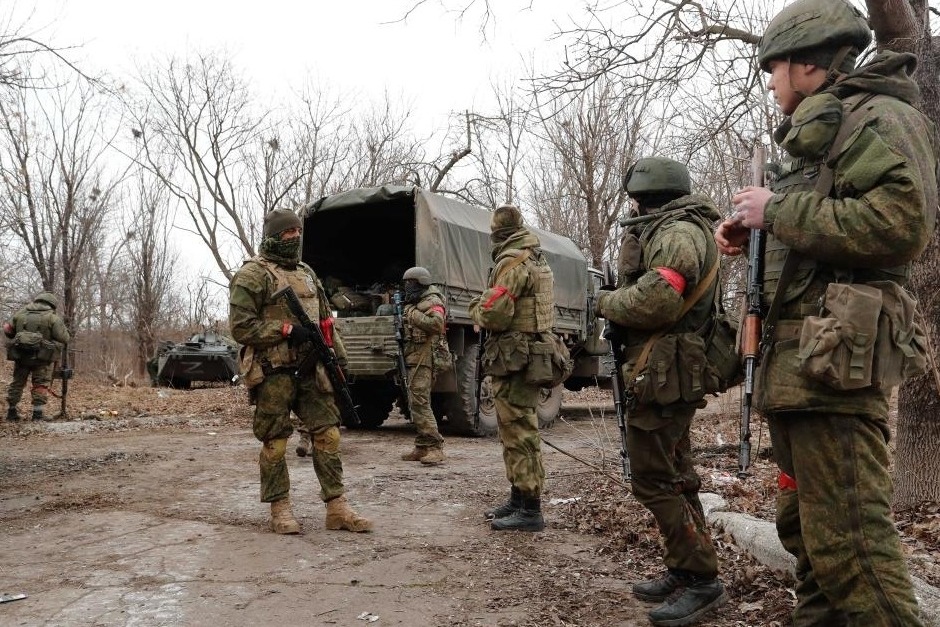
{"x": 429, "y": 315}
{"x": 653, "y": 302}
{"x": 60, "y": 333}
{"x": 248, "y": 292}
{"x": 496, "y": 307}
{"x": 881, "y": 220}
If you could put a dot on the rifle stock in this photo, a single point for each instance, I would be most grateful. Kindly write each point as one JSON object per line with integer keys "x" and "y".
{"x": 753, "y": 321}
{"x": 321, "y": 352}
{"x": 400, "y": 365}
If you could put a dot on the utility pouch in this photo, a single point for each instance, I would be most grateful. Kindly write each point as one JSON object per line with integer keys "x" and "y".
{"x": 249, "y": 368}
{"x": 31, "y": 348}
{"x": 441, "y": 358}
{"x": 539, "y": 370}
{"x": 658, "y": 383}
{"x": 839, "y": 349}
{"x": 901, "y": 346}
{"x": 722, "y": 355}
{"x": 695, "y": 377}
{"x": 505, "y": 353}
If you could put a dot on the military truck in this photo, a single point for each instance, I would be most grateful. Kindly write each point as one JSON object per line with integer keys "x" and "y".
{"x": 361, "y": 241}
{"x": 206, "y": 356}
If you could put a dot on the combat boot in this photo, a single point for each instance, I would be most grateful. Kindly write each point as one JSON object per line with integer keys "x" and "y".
{"x": 37, "y": 414}
{"x": 659, "y": 589}
{"x": 507, "y": 508}
{"x": 305, "y": 446}
{"x": 433, "y": 457}
{"x": 282, "y": 519}
{"x": 416, "y": 455}
{"x": 339, "y": 515}
{"x": 12, "y": 414}
{"x": 699, "y": 597}
{"x": 526, "y": 518}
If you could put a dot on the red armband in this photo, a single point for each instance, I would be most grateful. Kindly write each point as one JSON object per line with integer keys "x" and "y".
{"x": 286, "y": 328}
{"x": 326, "y": 326}
{"x": 439, "y": 309}
{"x": 498, "y": 291}
{"x": 786, "y": 482}
{"x": 673, "y": 278}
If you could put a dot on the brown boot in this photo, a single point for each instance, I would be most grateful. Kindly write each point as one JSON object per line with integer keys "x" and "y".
{"x": 282, "y": 519}
{"x": 433, "y": 457}
{"x": 416, "y": 455}
{"x": 339, "y": 515}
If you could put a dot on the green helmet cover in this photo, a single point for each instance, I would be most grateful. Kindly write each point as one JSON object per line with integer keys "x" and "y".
{"x": 47, "y": 297}
{"x": 654, "y": 175}
{"x": 808, "y": 25}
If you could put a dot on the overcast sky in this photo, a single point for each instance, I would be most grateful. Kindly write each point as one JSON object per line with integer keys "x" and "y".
{"x": 433, "y": 61}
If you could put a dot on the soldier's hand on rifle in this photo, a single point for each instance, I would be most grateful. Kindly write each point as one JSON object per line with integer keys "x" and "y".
{"x": 296, "y": 335}
{"x": 749, "y": 204}
{"x": 730, "y": 236}
{"x": 598, "y": 301}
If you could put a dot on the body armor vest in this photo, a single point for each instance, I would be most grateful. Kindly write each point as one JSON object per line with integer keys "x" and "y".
{"x": 308, "y": 291}
{"x": 535, "y": 312}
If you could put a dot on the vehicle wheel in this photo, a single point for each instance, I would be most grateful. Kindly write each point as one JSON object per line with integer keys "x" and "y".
{"x": 373, "y": 404}
{"x": 180, "y": 384}
{"x": 549, "y": 406}
{"x": 461, "y": 405}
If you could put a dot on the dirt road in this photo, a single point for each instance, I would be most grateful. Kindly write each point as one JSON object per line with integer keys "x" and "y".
{"x": 156, "y": 521}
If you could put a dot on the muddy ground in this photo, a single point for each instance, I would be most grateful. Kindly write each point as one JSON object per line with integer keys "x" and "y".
{"x": 142, "y": 509}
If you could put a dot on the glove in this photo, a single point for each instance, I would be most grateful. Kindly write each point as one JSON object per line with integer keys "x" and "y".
{"x": 598, "y": 302}
{"x": 298, "y": 336}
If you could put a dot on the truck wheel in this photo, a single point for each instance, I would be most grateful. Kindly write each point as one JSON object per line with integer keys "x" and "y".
{"x": 460, "y": 406}
{"x": 373, "y": 404}
{"x": 549, "y": 406}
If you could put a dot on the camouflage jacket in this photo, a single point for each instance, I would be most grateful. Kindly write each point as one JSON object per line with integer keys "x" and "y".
{"x": 41, "y": 318}
{"x": 646, "y": 302}
{"x": 876, "y": 218}
{"x": 424, "y": 324}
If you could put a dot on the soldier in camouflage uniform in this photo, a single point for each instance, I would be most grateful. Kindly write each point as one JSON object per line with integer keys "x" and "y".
{"x": 36, "y": 321}
{"x": 515, "y": 308}
{"x": 274, "y": 344}
{"x": 666, "y": 290}
{"x": 424, "y": 318}
{"x": 854, "y": 205}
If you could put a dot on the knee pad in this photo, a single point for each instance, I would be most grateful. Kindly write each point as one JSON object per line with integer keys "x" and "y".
{"x": 273, "y": 450}
{"x": 326, "y": 440}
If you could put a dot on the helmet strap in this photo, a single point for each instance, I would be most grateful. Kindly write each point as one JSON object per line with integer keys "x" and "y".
{"x": 833, "y": 75}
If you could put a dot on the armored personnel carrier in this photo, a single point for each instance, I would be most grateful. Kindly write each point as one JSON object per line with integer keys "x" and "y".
{"x": 206, "y": 356}
{"x": 364, "y": 239}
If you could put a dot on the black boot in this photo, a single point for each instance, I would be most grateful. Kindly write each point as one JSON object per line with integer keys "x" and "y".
{"x": 12, "y": 414}
{"x": 507, "y": 508}
{"x": 699, "y": 597}
{"x": 526, "y": 518}
{"x": 37, "y": 414}
{"x": 659, "y": 589}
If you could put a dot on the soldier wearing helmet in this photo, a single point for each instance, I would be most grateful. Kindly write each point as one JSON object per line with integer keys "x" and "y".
{"x": 36, "y": 335}
{"x": 516, "y": 309}
{"x": 426, "y": 355}
{"x": 274, "y": 344}
{"x": 854, "y": 204}
{"x": 666, "y": 292}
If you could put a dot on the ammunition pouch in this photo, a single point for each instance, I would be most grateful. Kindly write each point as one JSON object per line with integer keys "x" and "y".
{"x": 30, "y": 348}
{"x": 505, "y": 353}
{"x": 550, "y": 362}
{"x": 441, "y": 358}
{"x": 249, "y": 368}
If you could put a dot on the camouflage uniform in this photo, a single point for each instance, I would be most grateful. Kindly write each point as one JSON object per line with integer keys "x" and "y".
{"x": 424, "y": 327}
{"x": 517, "y": 305}
{"x": 38, "y": 316}
{"x": 264, "y": 326}
{"x": 833, "y": 508}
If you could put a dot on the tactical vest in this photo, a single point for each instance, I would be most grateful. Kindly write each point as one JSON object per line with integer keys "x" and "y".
{"x": 416, "y": 336}
{"x": 811, "y": 278}
{"x": 535, "y": 312}
{"x": 309, "y": 292}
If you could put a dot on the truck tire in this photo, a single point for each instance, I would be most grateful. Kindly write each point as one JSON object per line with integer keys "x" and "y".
{"x": 373, "y": 403}
{"x": 549, "y": 406}
{"x": 460, "y": 406}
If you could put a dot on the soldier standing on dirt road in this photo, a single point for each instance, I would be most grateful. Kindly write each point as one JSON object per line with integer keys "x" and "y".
{"x": 424, "y": 318}
{"x": 274, "y": 344}
{"x": 854, "y": 205}
{"x": 667, "y": 278}
{"x": 518, "y": 304}
{"x": 37, "y": 334}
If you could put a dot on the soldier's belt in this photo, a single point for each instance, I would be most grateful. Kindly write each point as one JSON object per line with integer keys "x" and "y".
{"x": 788, "y": 330}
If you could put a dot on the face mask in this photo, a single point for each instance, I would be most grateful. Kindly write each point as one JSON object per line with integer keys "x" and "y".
{"x": 413, "y": 291}
{"x": 281, "y": 250}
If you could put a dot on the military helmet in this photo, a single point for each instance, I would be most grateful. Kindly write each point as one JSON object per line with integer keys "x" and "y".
{"x": 506, "y": 216}
{"x": 279, "y": 220}
{"x": 808, "y": 26}
{"x": 47, "y": 297}
{"x": 419, "y": 274}
{"x": 657, "y": 175}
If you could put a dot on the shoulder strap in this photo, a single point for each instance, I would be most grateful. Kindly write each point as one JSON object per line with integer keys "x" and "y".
{"x": 517, "y": 260}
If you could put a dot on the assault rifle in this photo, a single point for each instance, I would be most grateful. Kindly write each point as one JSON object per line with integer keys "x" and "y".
{"x": 400, "y": 359}
{"x": 478, "y": 378}
{"x": 63, "y": 372}
{"x": 622, "y": 398}
{"x": 751, "y": 335}
{"x": 320, "y": 352}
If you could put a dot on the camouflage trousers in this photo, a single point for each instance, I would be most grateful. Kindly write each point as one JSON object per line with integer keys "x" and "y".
{"x": 42, "y": 377}
{"x": 664, "y": 481}
{"x": 313, "y": 403}
{"x": 836, "y": 520}
{"x": 420, "y": 380}
{"x": 518, "y": 426}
